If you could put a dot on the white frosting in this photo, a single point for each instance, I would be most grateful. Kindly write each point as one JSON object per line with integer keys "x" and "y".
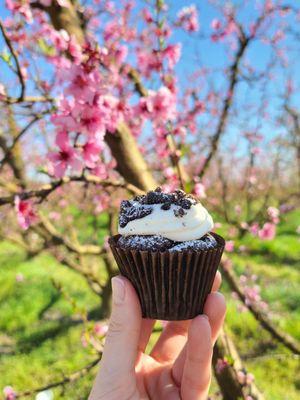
{"x": 193, "y": 225}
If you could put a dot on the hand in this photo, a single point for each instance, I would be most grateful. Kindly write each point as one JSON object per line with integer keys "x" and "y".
{"x": 179, "y": 365}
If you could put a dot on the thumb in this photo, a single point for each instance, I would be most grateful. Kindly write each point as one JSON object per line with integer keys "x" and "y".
{"x": 121, "y": 344}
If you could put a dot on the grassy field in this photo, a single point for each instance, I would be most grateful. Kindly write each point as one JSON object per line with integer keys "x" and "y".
{"x": 40, "y": 342}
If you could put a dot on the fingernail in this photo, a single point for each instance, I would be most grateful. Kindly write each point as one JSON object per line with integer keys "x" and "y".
{"x": 118, "y": 289}
{"x": 205, "y": 316}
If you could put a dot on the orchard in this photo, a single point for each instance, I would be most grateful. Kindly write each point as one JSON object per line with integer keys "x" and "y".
{"x": 103, "y": 100}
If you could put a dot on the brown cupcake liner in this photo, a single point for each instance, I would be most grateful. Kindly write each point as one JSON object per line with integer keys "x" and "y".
{"x": 171, "y": 286}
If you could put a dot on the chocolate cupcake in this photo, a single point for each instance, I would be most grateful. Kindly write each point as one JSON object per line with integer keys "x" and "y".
{"x": 165, "y": 248}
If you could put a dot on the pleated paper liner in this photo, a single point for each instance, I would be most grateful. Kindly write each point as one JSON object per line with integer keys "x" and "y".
{"x": 171, "y": 286}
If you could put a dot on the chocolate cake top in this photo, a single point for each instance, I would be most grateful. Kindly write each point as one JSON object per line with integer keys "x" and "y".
{"x": 140, "y": 206}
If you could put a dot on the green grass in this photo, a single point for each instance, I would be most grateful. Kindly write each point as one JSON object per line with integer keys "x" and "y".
{"x": 37, "y": 349}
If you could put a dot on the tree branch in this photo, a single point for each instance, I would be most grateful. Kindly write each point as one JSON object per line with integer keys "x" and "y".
{"x": 281, "y": 336}
{"x": 67, "y": 379}
{"x": 18, "y": 67}
{"x": 227, "y": 377}
{"x": 44, "y": 191}
{"x": 234, "y": 70}
{"x": 58, "y": 238}
{"x": 9, "y": 150}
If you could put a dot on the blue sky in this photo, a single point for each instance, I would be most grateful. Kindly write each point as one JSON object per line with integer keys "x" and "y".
{"x": 197, "y": 51}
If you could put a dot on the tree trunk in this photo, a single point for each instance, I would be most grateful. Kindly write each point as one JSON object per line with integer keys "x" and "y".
{"x": 227, "y": 377}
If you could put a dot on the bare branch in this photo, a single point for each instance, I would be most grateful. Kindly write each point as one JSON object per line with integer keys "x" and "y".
{"x": 18, "y": 67}
{"x": 58, "y": 238}
{"x": 233, "y": 75}
{"x": 227, "y": 376}
{"x": 44, "y": 191}
{"x": 281, "y": 336}
{"x": 17, "y": 138}
{"x": 67, "y": 379}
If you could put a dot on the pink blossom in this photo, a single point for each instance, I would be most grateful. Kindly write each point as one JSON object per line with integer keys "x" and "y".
{"x": 147, "y": 16}
{"x": 244, "y": 225}
{"x": 55, "y": 216}
{"x": 273, "y": 214}
{"x": 268, "y": 231}
{"x": 238, "y": 209}
{"x": 149, "y": 61}
{"x": 91, "y": 151}
{"x": 64, "y": 3}
{"x": 19, "y": 277}
{"x": 84, "y": 341}
{"x": 62, "y": 203}
{"x": 252, "y": 179}
{"x": 82, "y": 84}
{"x": 9, "y": 393}
{"x": 100, "y": 329}
{"x": 229, "y": 246}
{"x": 227, "y": 264}
{"x": 254, "y": 228}
{"x": 221, "y": 365}
{"x": 199, "y": 190}
{"x": 249, "y": 378}
{"x": 91, "y": 120}
{"x": 232, "y": 231}
{"x": 161, "y": 104}
{"x": 216, "y": 24}
{"x": 100, "y": 170}
{"x": 26, "y": 214}
{"x": 20, "y": 6}
{"x": 188, "y": 18}
{"x": 256, "y": 151}
{"x": 168, "y": 172}
{"x": 120, "y": 53}
{"x": 102, "y": 202}
{"x": 2, "y": 91}
{"x": 241, "y": 377}
{"x": 65, "y": 158}
{"x": 172, "y": 53}
{"x": 45, "y": 3}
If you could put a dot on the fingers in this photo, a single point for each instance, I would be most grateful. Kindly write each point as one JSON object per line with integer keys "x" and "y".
{"x": 217, "y": 282}
{"x": 146, "y": 330}
{"x": 171, "y": 341}
{"x": 121, "y": 345}
{"x": 173, "y": 338}
{"x": 197, "y": 368}
{"x": 215, "y": 309}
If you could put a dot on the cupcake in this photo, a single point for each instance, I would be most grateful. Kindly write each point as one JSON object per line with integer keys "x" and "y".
{"x": 165, "y": 248}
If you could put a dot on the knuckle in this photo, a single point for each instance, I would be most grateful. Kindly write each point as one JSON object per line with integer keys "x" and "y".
{"x": 116, "y": 327}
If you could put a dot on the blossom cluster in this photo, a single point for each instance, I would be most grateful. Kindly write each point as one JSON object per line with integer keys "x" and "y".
{"x": 252, "y": 294}
{"x": 188, "y": 18}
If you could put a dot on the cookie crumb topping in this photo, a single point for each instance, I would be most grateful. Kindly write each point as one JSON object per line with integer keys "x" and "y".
{"x": 141, "y": 206}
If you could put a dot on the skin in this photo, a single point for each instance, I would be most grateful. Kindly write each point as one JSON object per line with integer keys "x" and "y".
{"x": 179, "y": 365}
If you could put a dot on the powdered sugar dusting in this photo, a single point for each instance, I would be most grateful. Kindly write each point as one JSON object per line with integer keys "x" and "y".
{"x": 160, "y": 243}
{"x": 205, "y": 243}
{"x": 146, "y": 242}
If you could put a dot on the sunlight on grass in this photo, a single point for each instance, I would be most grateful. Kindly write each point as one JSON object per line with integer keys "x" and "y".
{"x": 44, "y": 348}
